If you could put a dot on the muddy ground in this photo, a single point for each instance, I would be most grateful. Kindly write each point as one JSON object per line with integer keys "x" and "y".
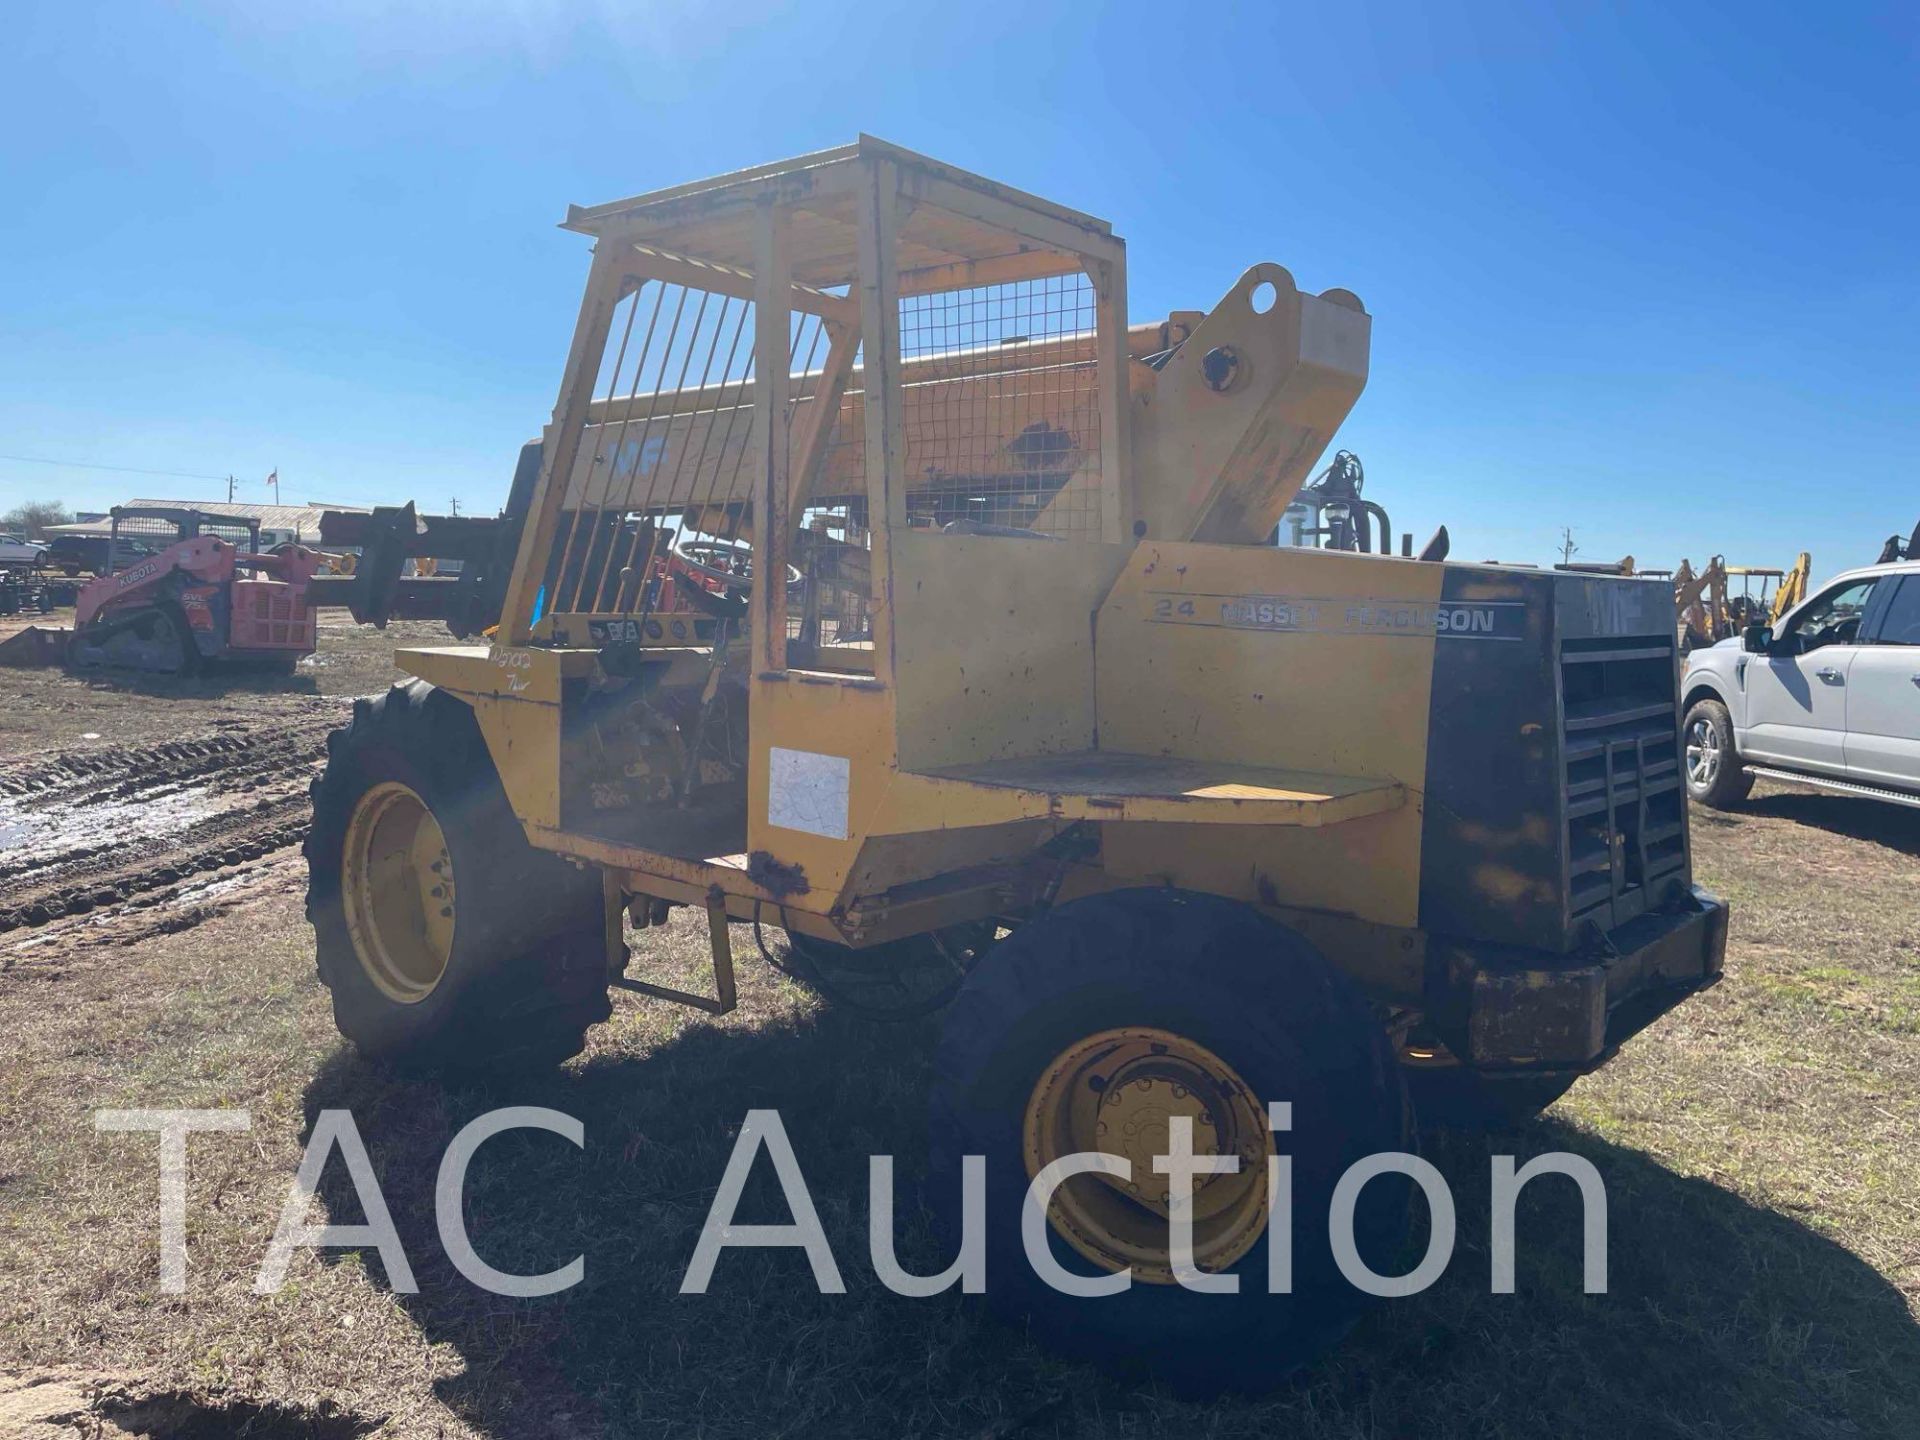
{"x": 132, "y": 806}
{"x": 1760, "y": 1147}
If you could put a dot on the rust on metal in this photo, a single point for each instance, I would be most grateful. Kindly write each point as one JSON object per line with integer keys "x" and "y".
{"x": 776, "y": 877}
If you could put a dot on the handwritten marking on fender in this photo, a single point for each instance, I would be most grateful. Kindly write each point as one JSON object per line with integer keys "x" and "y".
{"x": 516, "y": 663}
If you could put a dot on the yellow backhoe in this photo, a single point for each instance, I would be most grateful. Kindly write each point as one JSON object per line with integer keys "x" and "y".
{"x": 1710, "y": 611}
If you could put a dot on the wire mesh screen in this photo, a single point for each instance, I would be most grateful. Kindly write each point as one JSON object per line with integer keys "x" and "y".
{"x": 1001, "y": 414}
{"x": 1001, "y": 407}
{"x": 133, "y": 538}
{"x": 832, "y": 606}
{"x": 659, "y": 499}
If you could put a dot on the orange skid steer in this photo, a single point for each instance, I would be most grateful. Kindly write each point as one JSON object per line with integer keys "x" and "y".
{"x": 209, "y": 594}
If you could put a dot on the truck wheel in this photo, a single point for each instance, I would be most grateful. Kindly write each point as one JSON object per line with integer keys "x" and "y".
{"x": 1089, "y": 1029}
{"x": 1715, "y": 775}
{"x": 448, "y": 941}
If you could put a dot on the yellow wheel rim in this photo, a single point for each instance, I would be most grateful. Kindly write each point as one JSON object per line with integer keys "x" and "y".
{"x": 398, "y": 884}
{"x": 1119, "y": 1091}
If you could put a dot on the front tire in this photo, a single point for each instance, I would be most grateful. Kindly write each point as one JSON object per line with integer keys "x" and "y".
{"x": 1714, "y": 773}
{"x": 446, "y": 940}
{"x": 1087, "y": 1029}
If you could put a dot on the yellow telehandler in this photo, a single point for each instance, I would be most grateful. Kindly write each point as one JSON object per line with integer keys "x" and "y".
{"x": 878, "y": 579}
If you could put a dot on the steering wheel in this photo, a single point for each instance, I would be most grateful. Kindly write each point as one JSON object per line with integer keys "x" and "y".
{"x": 728, "y": 562}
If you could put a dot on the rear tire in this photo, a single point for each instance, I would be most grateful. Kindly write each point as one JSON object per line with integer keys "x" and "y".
{"x": 1226, "y": 983}
{"x": 1712, "y": 766}
{"x": 510, "y": 971}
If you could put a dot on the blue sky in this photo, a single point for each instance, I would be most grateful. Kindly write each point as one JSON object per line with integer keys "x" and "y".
{"x": 1648, "y": 270}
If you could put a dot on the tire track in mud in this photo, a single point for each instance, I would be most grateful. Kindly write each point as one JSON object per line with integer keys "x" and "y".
{"x": 94, "y": 831}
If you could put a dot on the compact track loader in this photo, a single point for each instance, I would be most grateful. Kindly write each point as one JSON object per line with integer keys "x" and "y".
{"x": 993, "y": 667}
{"x": 179, "y": 588}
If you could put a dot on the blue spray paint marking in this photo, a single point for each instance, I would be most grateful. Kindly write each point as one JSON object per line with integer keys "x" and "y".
{"x": 639, "y": 457}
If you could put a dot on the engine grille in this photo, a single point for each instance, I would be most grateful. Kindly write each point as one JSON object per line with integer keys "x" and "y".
{"x": 1626, "y": 822}
{"x": 268, "y": 614}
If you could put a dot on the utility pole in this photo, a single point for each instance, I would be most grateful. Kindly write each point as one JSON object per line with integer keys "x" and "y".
{"x": 1567, "y": 548}
{"x": 229, "y": 489}
{"x": 454, "y": 501}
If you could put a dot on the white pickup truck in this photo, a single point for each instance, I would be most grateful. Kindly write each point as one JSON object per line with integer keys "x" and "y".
{"x": 1830, "y": 697}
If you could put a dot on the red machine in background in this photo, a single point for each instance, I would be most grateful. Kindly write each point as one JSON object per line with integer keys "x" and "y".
{"x": 456, "y": 568}
{"x": 192, "y": 587}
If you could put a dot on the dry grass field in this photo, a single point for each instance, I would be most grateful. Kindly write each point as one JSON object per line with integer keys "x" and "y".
{"x": 1761, "y": 1149}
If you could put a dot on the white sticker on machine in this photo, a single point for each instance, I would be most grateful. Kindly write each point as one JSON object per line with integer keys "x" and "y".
{"x": 807, "y": 791}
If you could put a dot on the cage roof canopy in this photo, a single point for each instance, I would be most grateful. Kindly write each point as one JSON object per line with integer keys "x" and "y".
{"x": 950, "y": 219}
